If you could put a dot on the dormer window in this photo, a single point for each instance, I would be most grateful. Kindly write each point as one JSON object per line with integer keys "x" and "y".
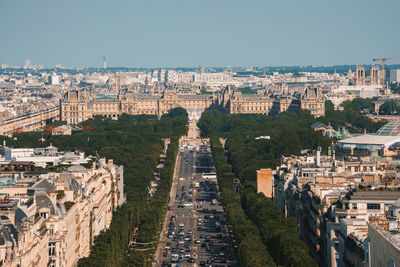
{"x": 45, "y": 215}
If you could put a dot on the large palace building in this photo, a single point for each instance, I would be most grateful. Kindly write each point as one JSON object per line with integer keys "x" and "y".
{"x": 79, "y": 105}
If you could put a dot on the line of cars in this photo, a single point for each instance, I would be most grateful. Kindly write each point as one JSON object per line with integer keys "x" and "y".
{"x": 214, "y": 242}
{"x": 180, "y": 245}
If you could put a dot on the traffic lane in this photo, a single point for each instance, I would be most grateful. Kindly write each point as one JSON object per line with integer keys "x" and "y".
{"x": 188, "y": 217}
{"x": 221, "y": 241}
{"x": 163, "y": 238}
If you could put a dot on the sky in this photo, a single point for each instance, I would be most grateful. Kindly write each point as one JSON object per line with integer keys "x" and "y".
{"x": 189, "y": 33}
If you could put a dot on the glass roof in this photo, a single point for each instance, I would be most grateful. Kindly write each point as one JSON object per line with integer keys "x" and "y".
{"x": 390, "y": 129}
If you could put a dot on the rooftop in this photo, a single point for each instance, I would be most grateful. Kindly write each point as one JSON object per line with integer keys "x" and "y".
{"x": 371, "y": 139}
{"x": 376, "y": 195}
{"x": 390, "y": 129}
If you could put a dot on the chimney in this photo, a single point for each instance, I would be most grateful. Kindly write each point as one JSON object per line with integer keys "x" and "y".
{"x": 110, "y": 164}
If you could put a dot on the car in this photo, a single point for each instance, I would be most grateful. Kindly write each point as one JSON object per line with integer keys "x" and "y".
{"x": 169, "y": 208}
{"x": 202, "y": 263}
{"x": 175, "y": 259}
{"x": 197, "y": 241}
{"x": 165, "y": 254}
{"x": 191, "y": 260}
{"x": 187, "y": 255}
{"x": 165, "y": 264}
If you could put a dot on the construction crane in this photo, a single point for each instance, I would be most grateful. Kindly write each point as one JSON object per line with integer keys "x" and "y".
{"x": 383, "y": 65}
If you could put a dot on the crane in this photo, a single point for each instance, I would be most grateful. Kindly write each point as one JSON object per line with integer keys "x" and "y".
{"x": 383, "y": 65}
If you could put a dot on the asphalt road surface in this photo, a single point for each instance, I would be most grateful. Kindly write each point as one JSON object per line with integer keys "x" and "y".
{"x": 194, "y": 231}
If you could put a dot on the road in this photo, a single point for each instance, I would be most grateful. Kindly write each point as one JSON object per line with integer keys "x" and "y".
{"x": 194, "y": 231}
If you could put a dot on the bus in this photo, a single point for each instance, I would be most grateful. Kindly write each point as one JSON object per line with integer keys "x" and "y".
{"x": 211, "y": 175}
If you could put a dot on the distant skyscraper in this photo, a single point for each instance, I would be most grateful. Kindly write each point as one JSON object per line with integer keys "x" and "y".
{"x": 27, "y": 63}
{"x": 105, "y": 63}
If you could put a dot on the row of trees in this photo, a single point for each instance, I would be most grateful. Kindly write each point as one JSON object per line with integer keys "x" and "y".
{"x": 150, "y": 224}
{"x": 135, "y": 142}
{"x": 351, "y": 115}
{"x": 390, "y": 107}
{"x": 289, "y": 133}
{"x": 249, "y": 248}
{"x": 279, "y": 234}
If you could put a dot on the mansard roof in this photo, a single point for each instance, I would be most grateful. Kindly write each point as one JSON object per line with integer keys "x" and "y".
{"x": 43, "y": 201}
{"x": 48, "y": 187}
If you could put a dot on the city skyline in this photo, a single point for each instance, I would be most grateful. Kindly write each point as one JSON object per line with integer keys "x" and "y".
{"x": 182, "y": 34}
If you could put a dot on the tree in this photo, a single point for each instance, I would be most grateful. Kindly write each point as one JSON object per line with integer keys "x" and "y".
{"x": 389, "y": 107}
{"x": 177, "y": 112}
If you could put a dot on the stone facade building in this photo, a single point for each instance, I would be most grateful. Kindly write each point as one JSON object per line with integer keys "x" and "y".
{"x": 78, "y": 105}
{"x": 51, "y": 219}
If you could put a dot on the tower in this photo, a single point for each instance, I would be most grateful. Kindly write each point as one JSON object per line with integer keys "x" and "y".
{"x": 360, "y": 75}
{"x": 374, "y": 75}
{"x": 104, "y": 62}
{"x": 117, "y": 82}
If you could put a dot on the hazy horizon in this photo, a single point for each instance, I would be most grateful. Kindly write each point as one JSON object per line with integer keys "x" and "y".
{"x": 177, "y": 33}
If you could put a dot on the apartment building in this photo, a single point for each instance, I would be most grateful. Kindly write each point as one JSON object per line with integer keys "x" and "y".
{"x": 52, "y": 218}
{"x": 332, "y": 200}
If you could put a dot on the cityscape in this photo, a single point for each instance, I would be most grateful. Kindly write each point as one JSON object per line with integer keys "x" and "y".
{"x": 219, "y": 134}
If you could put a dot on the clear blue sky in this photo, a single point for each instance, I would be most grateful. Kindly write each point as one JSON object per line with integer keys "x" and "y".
{"x": 171, "y": 33}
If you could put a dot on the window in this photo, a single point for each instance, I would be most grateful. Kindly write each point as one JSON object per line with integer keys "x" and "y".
{"x": 52, "y": 263}
{"x": 44, "y": 215}
{"x": 51, "y": 230}
{"x": 354, "y": 206}
{"x": 52, "y": 249}
{"x": 373, "y": 206}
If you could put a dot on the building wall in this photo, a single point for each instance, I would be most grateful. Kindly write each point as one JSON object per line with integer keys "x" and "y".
{"x": 67, "y": 234}
{"x": 264, "y": 182}
{"x": 394, "y": 75}
{"x": 381, "y": 250}
{"x": 77, "y": 106}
